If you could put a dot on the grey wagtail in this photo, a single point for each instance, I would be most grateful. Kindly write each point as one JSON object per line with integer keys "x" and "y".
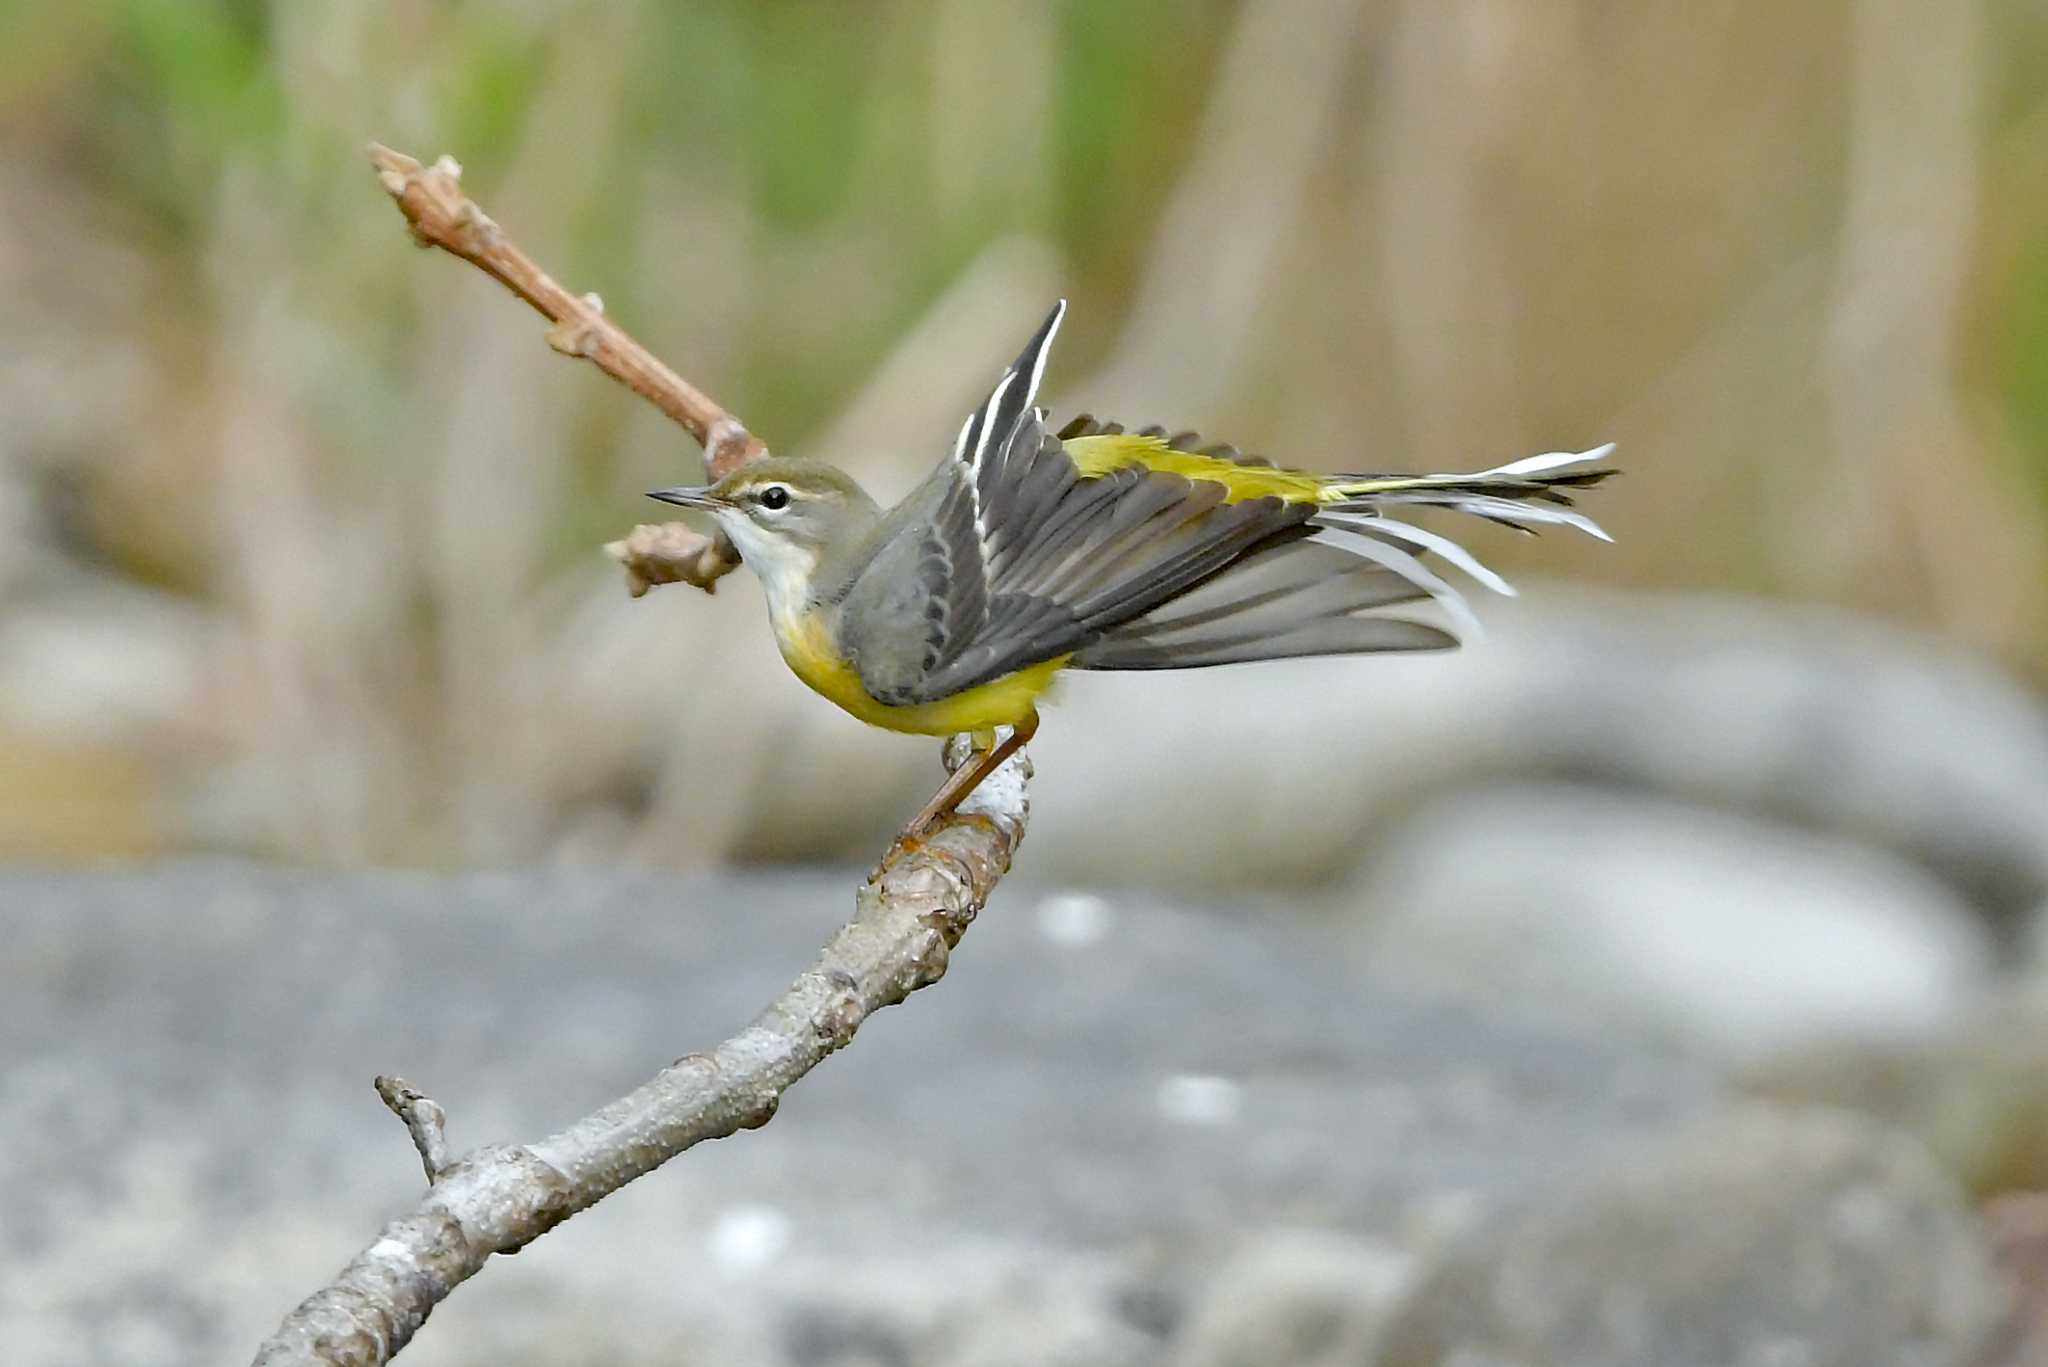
{"x": 1027, "y": 551}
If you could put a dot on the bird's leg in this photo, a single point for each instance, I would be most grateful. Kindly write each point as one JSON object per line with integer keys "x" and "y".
{"x": 968, "y": 777}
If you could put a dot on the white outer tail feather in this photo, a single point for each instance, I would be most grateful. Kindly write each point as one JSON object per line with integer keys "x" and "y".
{"x": 1464, "y": 625}
{"x": 1552, "y": 460}
{"x": 1450, "y": 550}
{"x": 1360, "y": 532}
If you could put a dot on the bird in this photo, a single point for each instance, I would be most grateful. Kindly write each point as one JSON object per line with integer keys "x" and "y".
{"x": 1029, "y": 551}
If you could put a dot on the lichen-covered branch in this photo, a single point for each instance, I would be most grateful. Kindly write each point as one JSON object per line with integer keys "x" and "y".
{"x": 441, "y": 215}
{"x": 499, "y": 1198}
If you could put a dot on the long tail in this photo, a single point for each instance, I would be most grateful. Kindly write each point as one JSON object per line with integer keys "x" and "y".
{"x": 1522, "y": 494}
{"x": 1338, "y": 585}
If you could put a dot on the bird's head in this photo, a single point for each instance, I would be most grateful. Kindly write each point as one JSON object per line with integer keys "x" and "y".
{"x": 786, "y": 515}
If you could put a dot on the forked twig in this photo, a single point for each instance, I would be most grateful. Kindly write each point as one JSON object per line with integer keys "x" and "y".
{"x": 441, "y": 215}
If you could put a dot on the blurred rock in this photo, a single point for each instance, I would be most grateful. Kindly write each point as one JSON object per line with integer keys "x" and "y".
{"x": 1310, "y": 1297}
{"x": 1976, "y": 1095}
{"x": 94, "y": 658}
{"x": 2018, "y": 1225}
{"x": 102, "y": 682}
{"x": 1285, "y": 773}
{"x": 19, "y": 527}
{"x": 1713, "y": 932}
{"x": 1062, "y": 1317}
{"x": 1009, "y": 1169}
{"x": 1752, "y": 1237}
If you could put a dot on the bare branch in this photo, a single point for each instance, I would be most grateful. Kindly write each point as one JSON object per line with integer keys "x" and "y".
{"x": 497, "y": 1199}
{"x": 424, "y": 1120}
{"x": 906, "y": 920}
{"x": 441, "y": 215}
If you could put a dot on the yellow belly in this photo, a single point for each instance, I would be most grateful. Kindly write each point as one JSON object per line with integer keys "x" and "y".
{"x": 808, "y": 648}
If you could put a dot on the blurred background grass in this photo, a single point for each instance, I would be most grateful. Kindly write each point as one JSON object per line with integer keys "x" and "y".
{"x": 298, "y": 527}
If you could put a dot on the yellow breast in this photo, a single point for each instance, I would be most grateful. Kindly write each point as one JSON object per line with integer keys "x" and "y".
{"x": 807, "y": 646}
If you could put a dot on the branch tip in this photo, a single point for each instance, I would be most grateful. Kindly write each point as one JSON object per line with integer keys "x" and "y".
{"x": 424, "y": 1120}
{"x": 672, "y": 553}
{"x": 441, "y": 215}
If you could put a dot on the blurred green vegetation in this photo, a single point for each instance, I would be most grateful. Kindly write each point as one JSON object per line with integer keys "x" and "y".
{"x": 327, "y": 470}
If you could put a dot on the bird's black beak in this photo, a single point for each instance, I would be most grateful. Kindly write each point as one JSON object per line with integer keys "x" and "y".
{"x": 687, "y": 496}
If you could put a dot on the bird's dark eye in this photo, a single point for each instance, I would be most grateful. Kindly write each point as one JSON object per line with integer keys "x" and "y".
{"x": 774, "y": 498}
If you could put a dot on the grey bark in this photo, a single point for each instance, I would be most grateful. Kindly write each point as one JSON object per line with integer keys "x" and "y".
{"x": 500, "y": 1198}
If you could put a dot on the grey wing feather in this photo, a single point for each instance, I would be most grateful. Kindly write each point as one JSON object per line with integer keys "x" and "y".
{"x": 1292, "y": 597}
{"x": 1008, "y": 557}
{"x": 1072, "y": 560}
{"x": 1280, "y": 640}
{"x": 923, "y": 601}
{"x": 922, "y": 595}
{"x": 1151, "y": 539}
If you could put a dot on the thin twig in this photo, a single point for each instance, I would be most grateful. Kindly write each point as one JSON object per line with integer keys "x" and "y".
{"x": 424, "y": 1120}
{"x": 497, "y": 1199}
{"x": 441, "y": 215}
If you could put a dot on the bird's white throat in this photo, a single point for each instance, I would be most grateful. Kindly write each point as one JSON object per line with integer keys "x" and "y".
{"x": 783, "y": 566}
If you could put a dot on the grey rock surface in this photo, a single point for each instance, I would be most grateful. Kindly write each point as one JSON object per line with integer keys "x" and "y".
{"x": 1719, "y": 934}
{"x": 1977, "y": 1097}
{"x": 1118, "y": 1132}
{"x": 1809, "y": 1239}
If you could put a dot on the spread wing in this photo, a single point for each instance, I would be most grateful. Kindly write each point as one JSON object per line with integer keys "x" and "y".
{"x": 1014, "y": 555}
